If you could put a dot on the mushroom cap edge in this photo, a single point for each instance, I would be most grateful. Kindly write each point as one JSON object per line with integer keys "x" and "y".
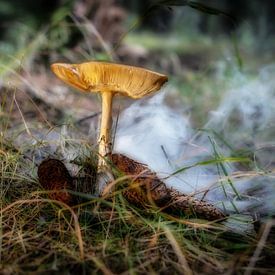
{"x": 97, "y": 76}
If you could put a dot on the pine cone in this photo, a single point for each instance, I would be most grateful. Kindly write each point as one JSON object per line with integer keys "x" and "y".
{"x": 54, "y": 176}
{"x": 147, "y": 189}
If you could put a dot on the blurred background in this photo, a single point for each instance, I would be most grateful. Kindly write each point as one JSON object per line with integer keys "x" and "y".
{"x": 193, "y": 42}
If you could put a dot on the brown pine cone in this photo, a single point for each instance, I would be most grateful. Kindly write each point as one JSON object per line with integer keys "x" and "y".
{"x": 54, "y": 176}
{"x": 191, "y": 205}
{"x": 147, "y": 189}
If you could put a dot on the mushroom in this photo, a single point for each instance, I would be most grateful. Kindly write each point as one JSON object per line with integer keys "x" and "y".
{"x": 109, "y": 79}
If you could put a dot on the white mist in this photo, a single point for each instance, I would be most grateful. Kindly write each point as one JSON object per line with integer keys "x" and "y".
{"x": 156, "y": 135}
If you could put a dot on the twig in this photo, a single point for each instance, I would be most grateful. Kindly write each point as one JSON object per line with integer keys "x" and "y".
{"x": 259, "y": 248}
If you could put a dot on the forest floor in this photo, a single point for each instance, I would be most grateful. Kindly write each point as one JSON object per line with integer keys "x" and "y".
{"x": 41, "y": 118}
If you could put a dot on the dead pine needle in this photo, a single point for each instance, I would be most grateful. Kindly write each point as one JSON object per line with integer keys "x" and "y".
{"x": 177, "y": 248}
{"x": 260, "y": 246}
{"x": 61, "y": 204}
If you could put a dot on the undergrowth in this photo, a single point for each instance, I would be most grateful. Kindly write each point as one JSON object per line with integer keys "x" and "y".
{"x": 110, "y": 236}
{"x": 103, "y": 236}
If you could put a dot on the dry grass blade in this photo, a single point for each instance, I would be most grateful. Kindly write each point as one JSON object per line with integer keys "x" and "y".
{"x": 102, "y": 266}
{"x": 178, "y": 251}
{"x": 23, "y": 119}
{"x": 77, "y": 229}
{"x": 249, "y": 270}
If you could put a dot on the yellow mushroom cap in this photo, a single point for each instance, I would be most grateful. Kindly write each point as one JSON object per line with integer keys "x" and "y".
{"x": 95, "y": 76}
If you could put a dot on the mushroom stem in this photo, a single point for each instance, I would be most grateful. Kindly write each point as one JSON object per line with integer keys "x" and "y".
{"x": 104, "y": 142}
